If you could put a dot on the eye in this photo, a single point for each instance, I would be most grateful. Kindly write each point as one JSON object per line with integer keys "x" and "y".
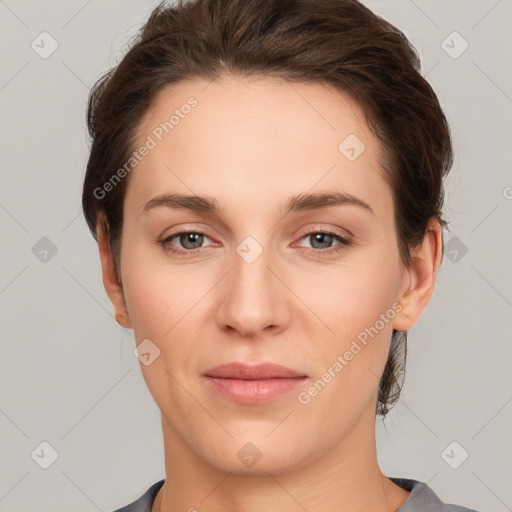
{"x": 321, "y": 242}
{"x": 190, "y": 241}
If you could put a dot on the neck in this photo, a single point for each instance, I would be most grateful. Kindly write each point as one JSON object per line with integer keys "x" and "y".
{"x": 346, "y": 477}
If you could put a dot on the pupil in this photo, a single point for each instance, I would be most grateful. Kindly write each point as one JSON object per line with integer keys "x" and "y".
{"x": 194, "y": 238}
{"x": 326, "y": 239}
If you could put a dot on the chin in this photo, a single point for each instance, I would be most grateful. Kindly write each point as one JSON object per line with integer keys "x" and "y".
{"x": 256, "y": 455}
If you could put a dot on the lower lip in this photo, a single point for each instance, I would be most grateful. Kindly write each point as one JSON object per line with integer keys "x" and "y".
{"x": 253, "y": 391}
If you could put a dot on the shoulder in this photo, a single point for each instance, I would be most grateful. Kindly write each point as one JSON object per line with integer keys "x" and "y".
{"x": 424, "y": 499}
{"x": 421, "y": 499}
{"x": 145, "y": 502}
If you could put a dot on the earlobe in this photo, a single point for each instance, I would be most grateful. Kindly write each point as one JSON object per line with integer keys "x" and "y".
{"x": 123, "y": 320}
{"x": 421, "y": 278}
{"x": 111, "y": 280}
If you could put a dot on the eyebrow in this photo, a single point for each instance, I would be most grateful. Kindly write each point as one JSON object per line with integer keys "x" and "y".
{"x": 297, "y": 203}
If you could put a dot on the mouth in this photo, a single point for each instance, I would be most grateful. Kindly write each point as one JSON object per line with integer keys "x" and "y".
{"x": 256, "y": 384}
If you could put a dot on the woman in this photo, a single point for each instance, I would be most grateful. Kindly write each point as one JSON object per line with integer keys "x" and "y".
{"x": 265, "y": 186}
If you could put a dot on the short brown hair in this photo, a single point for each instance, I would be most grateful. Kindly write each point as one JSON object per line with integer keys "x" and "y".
{"x": 337, "y": 42}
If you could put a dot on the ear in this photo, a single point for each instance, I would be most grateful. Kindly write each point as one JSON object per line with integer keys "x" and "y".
{"x": 111, "y": 280}
{"x": 419, "y": 278}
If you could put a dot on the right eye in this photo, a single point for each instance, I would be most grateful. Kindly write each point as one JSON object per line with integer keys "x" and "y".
{"x": 190, "y": 241}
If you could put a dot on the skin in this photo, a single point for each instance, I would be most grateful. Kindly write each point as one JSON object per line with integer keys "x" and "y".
{"x": 251, "y": 145}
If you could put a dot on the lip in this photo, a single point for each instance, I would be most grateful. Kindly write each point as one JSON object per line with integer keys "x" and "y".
{"x": 252, "y": 384}
{"x": 260, "y": 371}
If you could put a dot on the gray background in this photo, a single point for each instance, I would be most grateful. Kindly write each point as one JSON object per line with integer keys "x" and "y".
{"x": 67, "y": 373}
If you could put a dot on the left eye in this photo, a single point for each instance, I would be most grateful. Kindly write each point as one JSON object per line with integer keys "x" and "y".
{"x": 323, "y": 240}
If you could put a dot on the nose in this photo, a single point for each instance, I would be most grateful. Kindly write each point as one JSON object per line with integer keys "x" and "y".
{"x": 254, "y": 300}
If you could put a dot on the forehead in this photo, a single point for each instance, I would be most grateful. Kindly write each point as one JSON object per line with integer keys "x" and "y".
{"x": 256, "y": 135}
{"x": 269, "y": 105}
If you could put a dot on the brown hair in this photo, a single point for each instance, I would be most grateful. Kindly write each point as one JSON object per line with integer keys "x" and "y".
{"x": 337, "y": 42}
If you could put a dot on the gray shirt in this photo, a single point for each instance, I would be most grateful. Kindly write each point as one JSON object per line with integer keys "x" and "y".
{"x": 421, "y": 499}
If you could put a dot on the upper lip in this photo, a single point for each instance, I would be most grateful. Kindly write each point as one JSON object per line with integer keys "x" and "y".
{"x": 237, "y": 370}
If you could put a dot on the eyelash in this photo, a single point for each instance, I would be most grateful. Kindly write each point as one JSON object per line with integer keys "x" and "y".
{"x": 344, "y": 243}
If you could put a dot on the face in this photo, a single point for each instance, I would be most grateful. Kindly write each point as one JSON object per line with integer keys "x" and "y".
{"x": 260, "y": 272}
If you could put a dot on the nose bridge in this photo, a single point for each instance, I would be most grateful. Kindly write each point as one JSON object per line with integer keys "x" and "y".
{"x": 253, "y": 300}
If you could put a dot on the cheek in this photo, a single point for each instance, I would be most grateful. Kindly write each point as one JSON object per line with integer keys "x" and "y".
{"x": 357, "y": 305}
{"x": 154, "y": 295}
{"x": 159, "y": 301}
{"x": 351, "y": 296}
